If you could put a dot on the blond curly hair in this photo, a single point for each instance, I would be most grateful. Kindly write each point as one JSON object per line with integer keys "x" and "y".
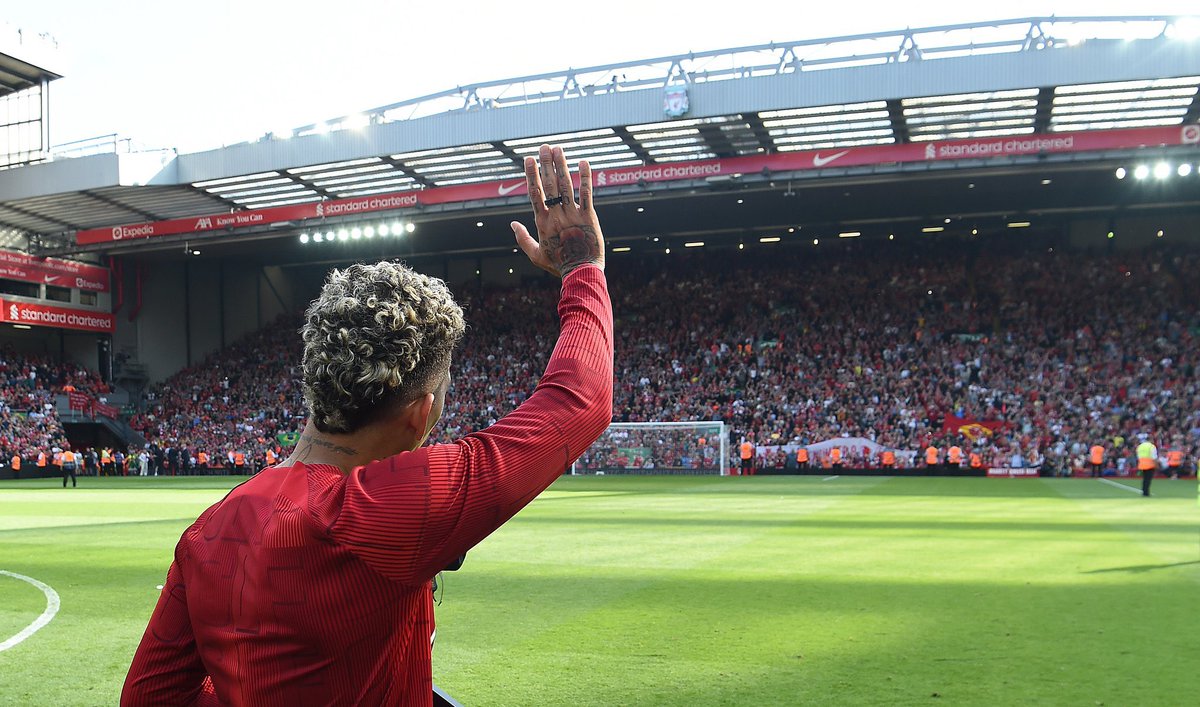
{"x": 377, "y": 336}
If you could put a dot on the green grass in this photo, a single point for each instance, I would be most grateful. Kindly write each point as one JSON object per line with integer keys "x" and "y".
{"x": 702, "y": 591}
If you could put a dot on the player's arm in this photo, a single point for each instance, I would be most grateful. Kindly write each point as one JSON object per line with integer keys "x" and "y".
{"x": 166, "y": 668}
{"x": 452, "y": 496}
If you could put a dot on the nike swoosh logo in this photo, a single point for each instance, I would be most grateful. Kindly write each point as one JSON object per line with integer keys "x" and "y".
{"x": 506, "y": 190}
{"x": 819, "y": 161}
{"x": 52, "y": 278}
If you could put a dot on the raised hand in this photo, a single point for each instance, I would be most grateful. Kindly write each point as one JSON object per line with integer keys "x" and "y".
{"x": 568, "y": 233}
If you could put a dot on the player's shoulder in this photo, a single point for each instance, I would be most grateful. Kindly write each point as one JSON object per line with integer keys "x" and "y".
{"x": 259, "y": 486}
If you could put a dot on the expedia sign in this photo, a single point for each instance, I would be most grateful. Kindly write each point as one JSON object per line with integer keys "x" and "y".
{"x": 122, "y": 232}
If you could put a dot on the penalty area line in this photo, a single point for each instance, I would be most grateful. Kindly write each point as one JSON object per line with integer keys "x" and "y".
{"x": 831, "y": 478}
{"x": 52, "y": 606}
{"x": 1121, "y": 486}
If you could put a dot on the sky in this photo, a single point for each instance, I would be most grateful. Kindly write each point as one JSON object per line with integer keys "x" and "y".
{"x": 198, "y": 75}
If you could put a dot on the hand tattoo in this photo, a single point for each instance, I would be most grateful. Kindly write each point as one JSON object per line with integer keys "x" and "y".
{"x": 576, "y": 246}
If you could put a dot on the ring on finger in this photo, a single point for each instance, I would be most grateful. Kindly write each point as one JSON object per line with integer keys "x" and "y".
{"x": 556, "y": 201}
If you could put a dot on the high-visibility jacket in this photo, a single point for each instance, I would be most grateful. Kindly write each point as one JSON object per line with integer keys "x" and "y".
{"x": 41, "y": 462}
{"x": 802, "y": 455}
{"x": 747, "y": 450}
{"x": 701, "y": 441}
{"x": 1097, "y": 454}
{"x": 1147, "y": 456}
{"x": 976, "y": 461}
{"x": 889, "y": 458}
{"x": 931, "y": 455}
{"x": 202, "y": 457}
{"x": 835, "y": 456}
{"x": 68, "y": 457}
{"x": 954, "y": 456}
{"x": 270, "y": 458}
{"x": 239, "y": 459}
{"x": 58, "y": 459}
{"x": 104, "y": 458}
{"x": 1175, "y": 458}
{"x": 16, "y": 462}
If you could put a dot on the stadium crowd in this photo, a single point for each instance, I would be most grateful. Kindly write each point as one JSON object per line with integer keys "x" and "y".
{"x": 29, "y": 420}
{"x": 1060, "y": 351}
{"x": 238, "y": 408}
{"x": 1056, "y": 351}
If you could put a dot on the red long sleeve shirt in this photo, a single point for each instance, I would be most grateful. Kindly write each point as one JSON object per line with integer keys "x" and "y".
{"x": 306, "y": 586}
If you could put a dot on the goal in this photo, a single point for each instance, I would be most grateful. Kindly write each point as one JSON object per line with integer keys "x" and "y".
{"x": 658, "y": 448}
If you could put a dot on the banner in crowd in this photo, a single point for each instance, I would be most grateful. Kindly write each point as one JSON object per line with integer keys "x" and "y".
{"x": 52, "y": 271}
{"x": 723, "y": 169}
{"x": 59, "y": 317}
{"x": 88, "y": 405}
{"x": 971, "y": 428}
{"x": 79, "y": 401}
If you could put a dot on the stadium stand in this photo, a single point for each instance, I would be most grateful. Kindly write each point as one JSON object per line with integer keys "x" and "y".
{"x": 1056, "y": 350}
{"x": 244, "y": 399}
{"x": 29, "y": 420}
{"x": 1004, "y": 351}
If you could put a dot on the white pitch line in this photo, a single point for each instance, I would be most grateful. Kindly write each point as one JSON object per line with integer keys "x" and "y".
{"x": 52, "y": 606}
{"x": 1121, "y": 486}
{"x": 830, "y": 478}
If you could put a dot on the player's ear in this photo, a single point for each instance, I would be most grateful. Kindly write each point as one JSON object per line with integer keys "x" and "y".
{"x": 416, "y": 415}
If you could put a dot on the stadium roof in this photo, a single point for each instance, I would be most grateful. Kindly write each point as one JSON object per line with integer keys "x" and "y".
{"x": 1027, "y": 76}
{"x": 25, "y": 60}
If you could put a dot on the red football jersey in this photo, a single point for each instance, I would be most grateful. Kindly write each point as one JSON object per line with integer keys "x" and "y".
{"x": 307, "y": 586}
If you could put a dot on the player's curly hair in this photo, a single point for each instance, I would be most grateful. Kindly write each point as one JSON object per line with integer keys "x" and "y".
{"x": 377, "y": 336}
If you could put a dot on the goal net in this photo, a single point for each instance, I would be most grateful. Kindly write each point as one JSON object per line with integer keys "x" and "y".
{"x": 658, "y": 448}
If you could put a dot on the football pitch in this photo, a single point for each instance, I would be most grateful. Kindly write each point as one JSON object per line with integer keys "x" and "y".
{"x": 699, "y": 591}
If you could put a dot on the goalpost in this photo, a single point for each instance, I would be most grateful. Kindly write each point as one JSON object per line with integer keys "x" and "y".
{"x": 658, "y": 448}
